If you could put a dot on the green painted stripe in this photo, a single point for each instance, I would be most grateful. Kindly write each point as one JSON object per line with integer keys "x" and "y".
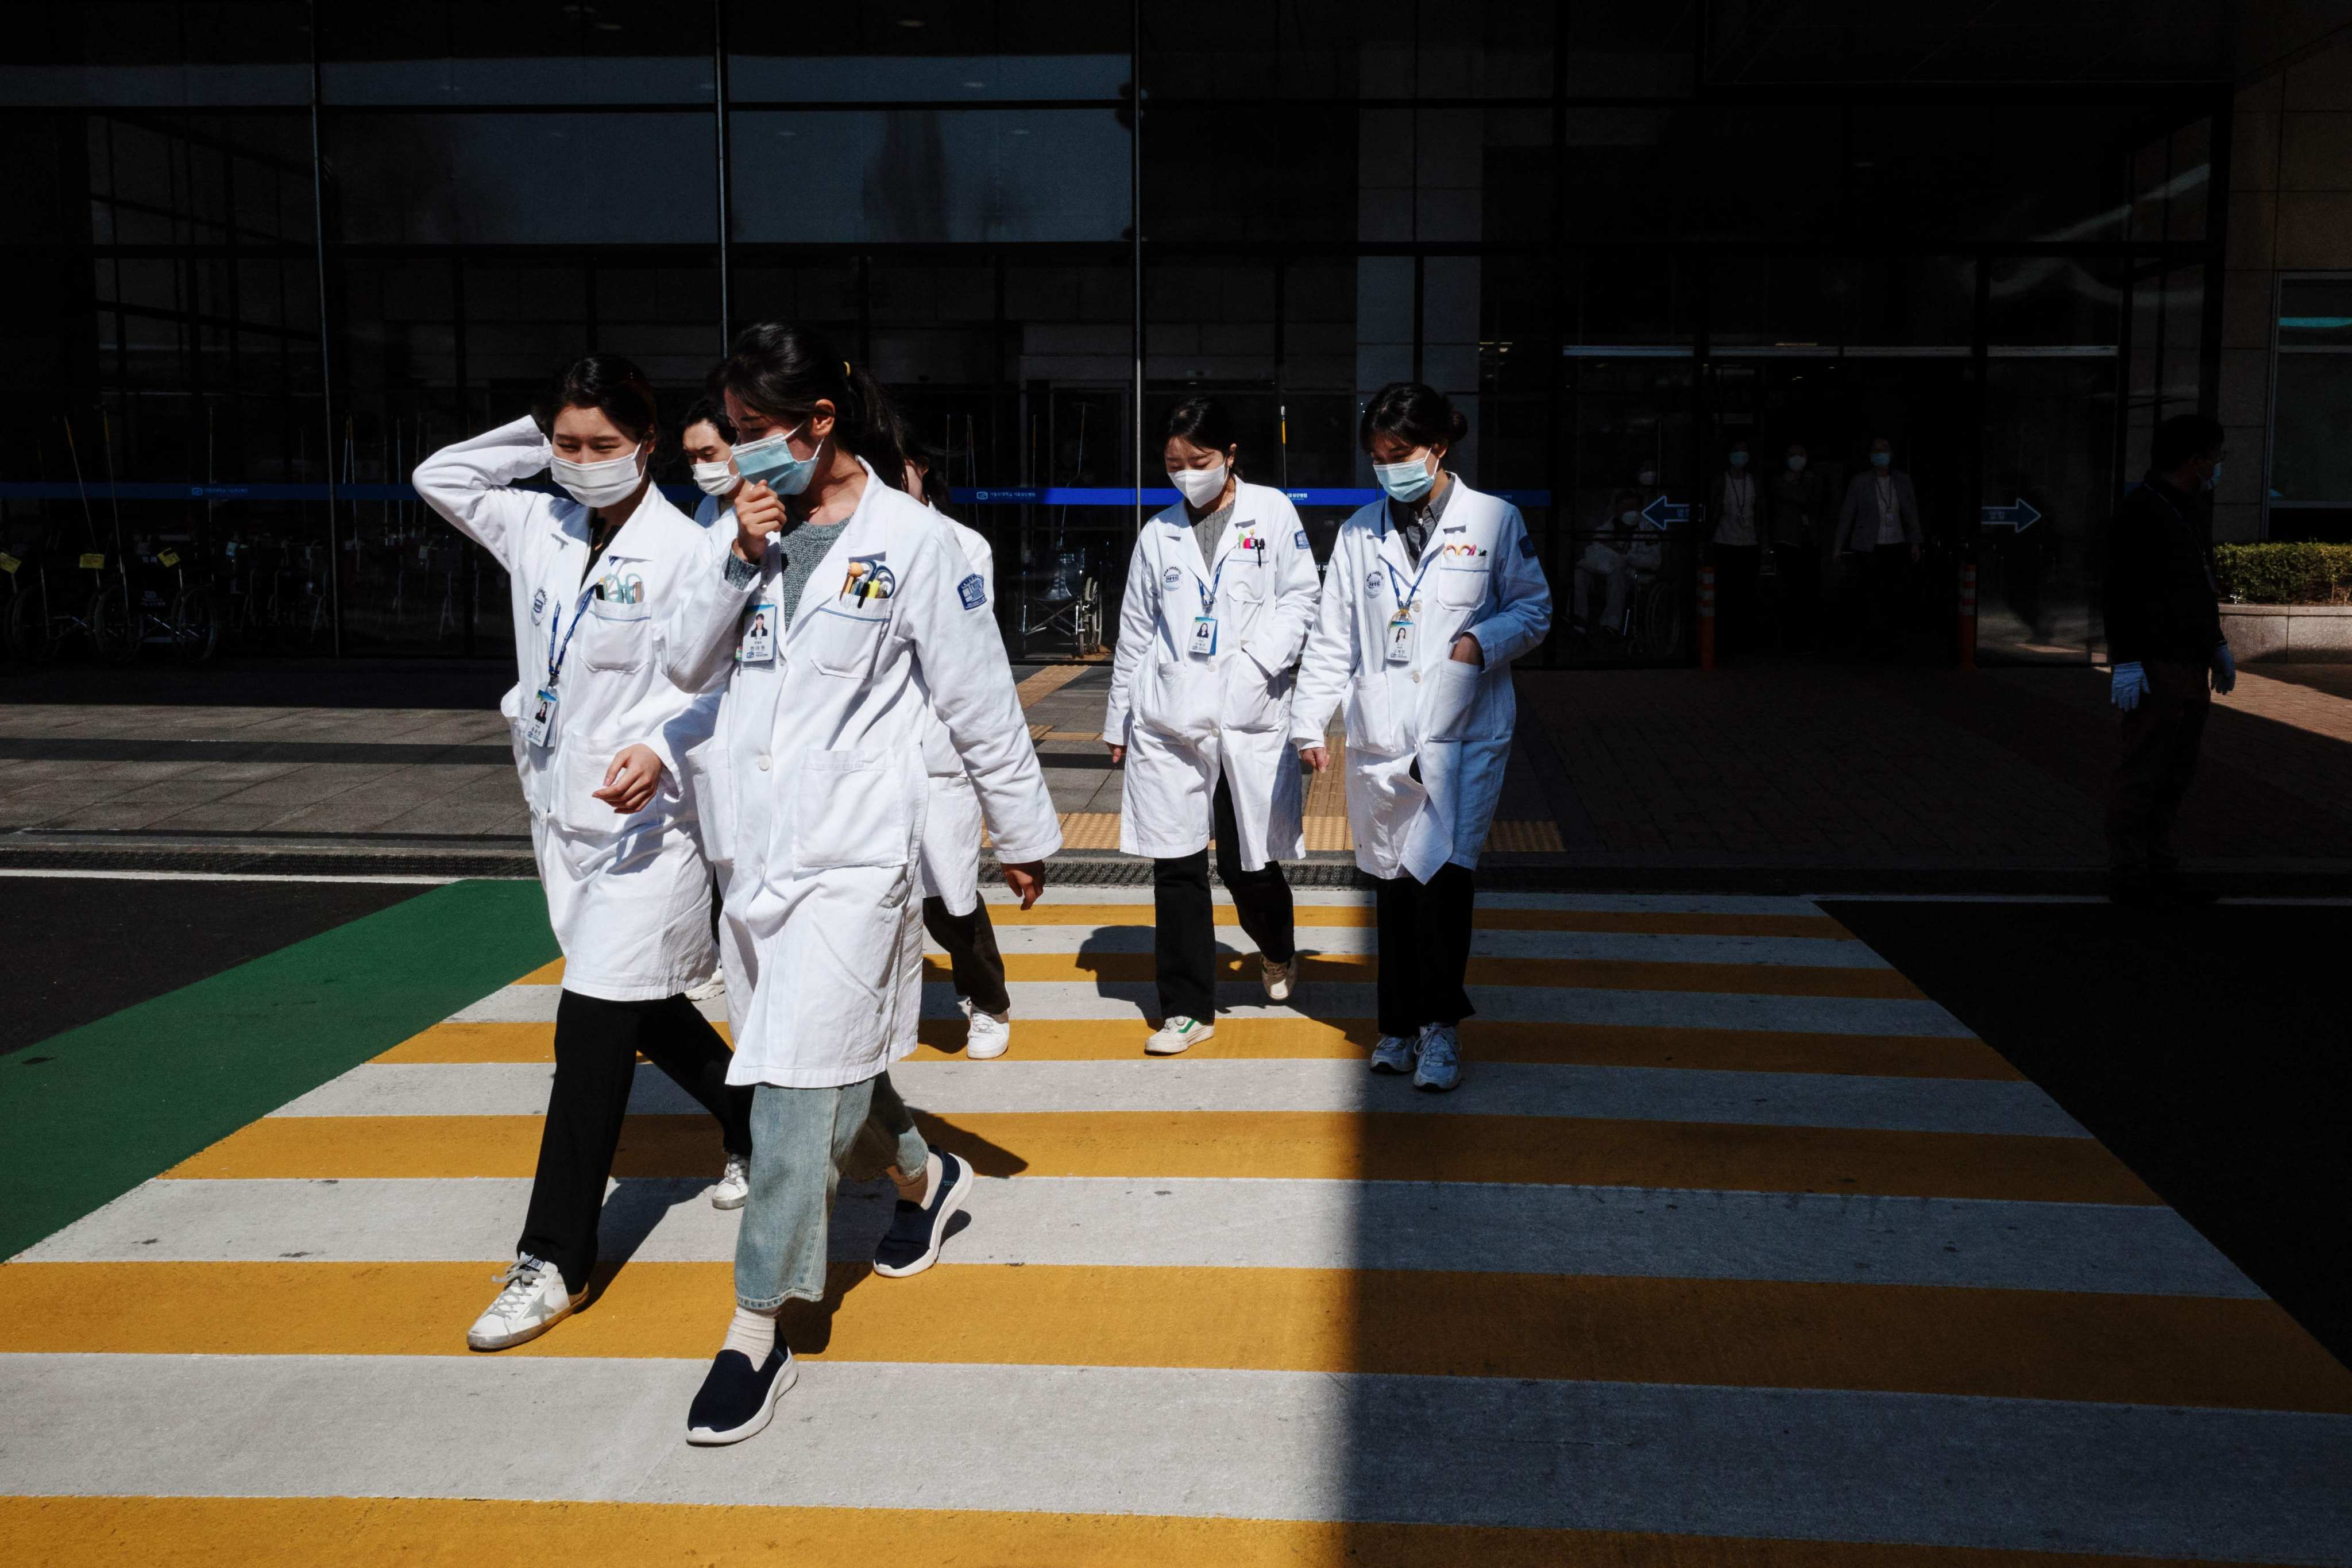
{"x": 121, "y": 1100}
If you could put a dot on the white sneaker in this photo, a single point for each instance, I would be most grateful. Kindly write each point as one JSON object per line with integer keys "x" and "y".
{"x": 533, "y": 1301}
{"x": 988, "y": 1036}
{"x": 1438, "y": 1068}
{"x": 710, "y": 990}
{"x": 1279, "y": 978}
{"x": 1178, "y": 1035}
{"x": 734, "y": 1184}
{"x": 1395, "y": 1053}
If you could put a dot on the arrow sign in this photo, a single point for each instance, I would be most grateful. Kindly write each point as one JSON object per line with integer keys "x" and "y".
{"x": 1665, "y": 513}
{"x": 2020, "y": 517}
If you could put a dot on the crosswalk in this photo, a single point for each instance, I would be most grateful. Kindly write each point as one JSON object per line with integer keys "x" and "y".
{"x": 1733, "y": 1250}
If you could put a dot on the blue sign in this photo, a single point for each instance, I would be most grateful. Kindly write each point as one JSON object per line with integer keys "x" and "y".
{"x": 1665, "y": 513}
{"x": 2020, "y": 516}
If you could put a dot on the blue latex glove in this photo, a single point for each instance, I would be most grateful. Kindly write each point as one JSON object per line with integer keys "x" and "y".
{"x": 2225, "y": 670}
{"x": 2131, "y": 685}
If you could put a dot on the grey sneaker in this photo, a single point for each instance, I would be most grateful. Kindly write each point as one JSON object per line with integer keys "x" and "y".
{"x": 1395, "y": 1053}
{"x": 1438, "y": 1068}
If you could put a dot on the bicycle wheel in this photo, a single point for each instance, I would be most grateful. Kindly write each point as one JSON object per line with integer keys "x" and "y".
{"x": 114, "y": 631}
{"x": 196, "y": 627}
{"x": 1661, "y": 629}
{"x": 31, "y": 639}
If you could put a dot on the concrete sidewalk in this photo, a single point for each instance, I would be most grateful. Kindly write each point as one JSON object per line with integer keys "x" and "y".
{"x": 1805, "y": 773}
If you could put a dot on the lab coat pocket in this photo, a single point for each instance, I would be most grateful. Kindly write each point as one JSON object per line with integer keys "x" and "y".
{"x": 1462, "y": 588}
{"x": 618, "y": 638}
{"x": 835, "y": 642}
{"x": 579, "y": 773}
{"x": 1178, "y": 697}
{"x": 1451, "y": 699}
{"x": 852, "y": 809}
{"x": 1253, "y": 702}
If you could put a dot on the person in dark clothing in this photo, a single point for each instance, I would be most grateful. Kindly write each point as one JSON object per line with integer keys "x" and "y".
{"x": 2164, "y": 637}
{"x": 1799, "y": 510}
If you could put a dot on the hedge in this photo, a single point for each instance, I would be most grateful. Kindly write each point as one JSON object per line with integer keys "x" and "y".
{"x": 2284, "y": 574}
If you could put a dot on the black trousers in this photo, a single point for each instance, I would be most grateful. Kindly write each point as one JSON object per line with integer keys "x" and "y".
{"x": 1799, "y": 568}
{"x": 1424, "y": 937}
{"x": 1736, "y": 568}
{"x": 971, "y": 942}
{"x": 1887, "y": 570}
{"x": 2160, "y": 739}
{"x": 596, "y": 1047}
{"x": 1184, "y": 916}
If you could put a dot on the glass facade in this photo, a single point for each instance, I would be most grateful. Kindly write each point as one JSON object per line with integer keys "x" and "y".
{"x": 266, "y": 256}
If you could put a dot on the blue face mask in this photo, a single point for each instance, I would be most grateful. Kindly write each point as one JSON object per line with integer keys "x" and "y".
{"x": 1738, "y": 459}
{"x": 1880, "y": 460}
{"x": 2214, "y": 479}
{"x": 769, "y": 461}
{"x": 1406, "y": 482}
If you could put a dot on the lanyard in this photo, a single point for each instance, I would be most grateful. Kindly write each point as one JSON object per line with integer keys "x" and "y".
{"x": 1429, "y": 554}
{"x": 555, "y": 659}
{"x": 1209, "y": 587}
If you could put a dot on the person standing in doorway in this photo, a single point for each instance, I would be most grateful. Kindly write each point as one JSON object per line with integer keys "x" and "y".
{"x": 2164, "y": 635}
{"x": 1433, "y": 591}
{"x": 1879, "y": 527}
{"x": 1735, "y": 546}
{"x": 1221, "y": 592}
{"x": 599, "y": 735}
{"x": 1799, "y": 519}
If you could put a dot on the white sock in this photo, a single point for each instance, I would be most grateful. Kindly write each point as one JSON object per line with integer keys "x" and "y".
{"x": 917, "y": 1189}
{"x": 753, "y": 1334}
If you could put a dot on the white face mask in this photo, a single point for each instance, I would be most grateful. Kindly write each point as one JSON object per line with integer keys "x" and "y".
{"x": 600, "y": 484}
{"x": 1199, "y": 486}
{"x": 1629, "y": 517}
{"x": 714, "y": 479}
{"x": 1649, "y": 476}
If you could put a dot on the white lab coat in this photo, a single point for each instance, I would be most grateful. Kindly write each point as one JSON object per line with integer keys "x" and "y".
{"x": 628, "y": 896}
{"x": 1477, "y": 574}
{"x": 1185, "y": 718}
{"x": 823, "y": 748}
{"x": 703, "y": 762}
{"x": 950, "y": 856}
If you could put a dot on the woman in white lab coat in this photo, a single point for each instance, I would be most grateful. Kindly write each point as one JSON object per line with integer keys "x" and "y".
{"x": 1433, "y": 591}
{"x": 1220, "y": 594}
{"x": 954, "y": 914}
{"x": 706, "y": 439}
{"x": 842, "y": 615}
{"x": 599, "y": 731}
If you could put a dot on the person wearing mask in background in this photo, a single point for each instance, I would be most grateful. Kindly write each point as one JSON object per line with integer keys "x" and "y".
{"x": 954, "y": 914}
{"x": 842, "y": 618}
{"x": 1797, "y": 516}
{"x": 707, "y": 441}
{"x": 1219, "y": 593}
{"x": 1431, "y": 592}
{"x": 1879, "y": 526}
{"x": 1736, "y": 549}
{"x": 1602, "y": 572}
{"x": 2164, "y": 635}
{"x": 598, "y": 734}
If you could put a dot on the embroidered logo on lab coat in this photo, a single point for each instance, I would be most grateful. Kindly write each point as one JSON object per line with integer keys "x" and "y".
{"x": 539, "y": 606}
{"x": 1371, "y": 581}
{"x": 1528, "y": 545}
{"x": 1173, "y": 578}
{"x": 1472, "y": 551}
{"x": 1300, "y": 542}
{"x": 870, "y": 579}
{"x": 973, "y": 592}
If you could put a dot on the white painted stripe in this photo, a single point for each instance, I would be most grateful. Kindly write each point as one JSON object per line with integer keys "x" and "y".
{"x": 1998, "y": 1474}
{"x": 1639, "y": 947}
{"x": 1340, "y": 1001}
{"x": 1215, "y": 1223}
{"x": 1585, "y": 903}
{"x": 1286, "y": 1084}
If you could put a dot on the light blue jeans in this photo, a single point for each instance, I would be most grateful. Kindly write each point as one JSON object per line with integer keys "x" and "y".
{"x": 800, "y": 1140}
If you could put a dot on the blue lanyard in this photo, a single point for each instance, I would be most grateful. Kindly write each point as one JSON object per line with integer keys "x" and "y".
{"x": 555, "y": 659}
{"x": 1428, "y": 554}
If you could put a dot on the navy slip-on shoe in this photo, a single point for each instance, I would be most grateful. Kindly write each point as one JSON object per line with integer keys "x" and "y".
{"x": 737, "y": 1400}
{"x": 912, "y": 1243}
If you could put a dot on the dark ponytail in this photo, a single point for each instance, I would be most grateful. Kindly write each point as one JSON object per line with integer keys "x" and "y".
{"x": 1417, "y": 414}
{"x": 783, "y": 370}
{"x": 615, "y": 388}
{"x": 1203, "y": 421}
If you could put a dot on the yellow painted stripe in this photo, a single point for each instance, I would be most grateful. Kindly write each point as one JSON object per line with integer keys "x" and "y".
{"x": 1537, "y": 974}
{"x": 1302, "y": 1145}
{"x": 375, "y": 1532}
{"x": 2020, "y": 1344}
{"x": 1525, "y": 974}
{"x": 1576, "y": 1044}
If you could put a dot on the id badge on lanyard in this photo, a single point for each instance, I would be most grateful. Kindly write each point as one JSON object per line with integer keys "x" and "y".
{"x": 760, "y": 635}
{"x": 1401, "y": 636}
{"x": 1401, "y": 626}
{"x": 541, "y": 729}
{"x": 542, "y": 718}
{"x": 1204, "y": 624}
